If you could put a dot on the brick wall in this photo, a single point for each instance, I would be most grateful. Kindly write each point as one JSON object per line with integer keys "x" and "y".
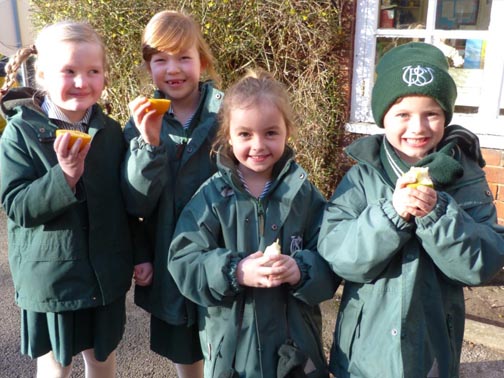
{"x": 495, "y": 176}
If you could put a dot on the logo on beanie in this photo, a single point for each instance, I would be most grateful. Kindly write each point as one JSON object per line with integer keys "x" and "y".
{"x": 418, "y": 76}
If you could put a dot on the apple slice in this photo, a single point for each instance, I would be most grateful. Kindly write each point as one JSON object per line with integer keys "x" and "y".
{"x": 273, "y": 249}
{"x": 421, "y": 175}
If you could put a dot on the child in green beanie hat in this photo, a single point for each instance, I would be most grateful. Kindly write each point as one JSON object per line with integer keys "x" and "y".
{"x": 406, "y": 252}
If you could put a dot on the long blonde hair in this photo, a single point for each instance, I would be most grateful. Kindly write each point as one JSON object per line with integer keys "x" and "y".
{"x": 171, "y": 32}
{"x": 64, "y": 31}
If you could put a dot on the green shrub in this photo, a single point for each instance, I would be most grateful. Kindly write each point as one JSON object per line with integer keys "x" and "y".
{"x": 304, "y": 43}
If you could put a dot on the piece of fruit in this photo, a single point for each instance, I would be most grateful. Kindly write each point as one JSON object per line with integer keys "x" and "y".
{"x": 160, "y": 105}
{"x": 421, "y": 175}
{"x": 74, "y": 135}
{"x": 273, "y": 249}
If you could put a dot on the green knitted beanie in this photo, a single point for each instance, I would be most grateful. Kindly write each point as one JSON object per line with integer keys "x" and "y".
{"x": 415, "y": 68}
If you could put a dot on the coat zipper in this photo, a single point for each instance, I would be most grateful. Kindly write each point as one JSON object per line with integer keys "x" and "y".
{"x": 260, "y": 216}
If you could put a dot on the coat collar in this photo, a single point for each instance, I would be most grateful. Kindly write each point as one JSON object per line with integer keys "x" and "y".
{"x": 26, "y": 102}
{"x": 366, "y": 150}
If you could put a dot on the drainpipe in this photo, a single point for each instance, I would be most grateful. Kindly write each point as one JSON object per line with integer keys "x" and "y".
{"x": 17, "y": 27}
{"x": 18, "y": 42}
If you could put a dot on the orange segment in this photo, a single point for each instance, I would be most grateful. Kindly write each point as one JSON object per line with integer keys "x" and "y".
{"x": 74, "y": 135}
{"x": 160, "y": 105}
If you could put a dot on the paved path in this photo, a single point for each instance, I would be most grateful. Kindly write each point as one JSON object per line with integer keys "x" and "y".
{"x": 135, "y": 360}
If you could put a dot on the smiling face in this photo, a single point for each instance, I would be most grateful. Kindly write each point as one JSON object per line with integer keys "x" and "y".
{"x": 177, "y": 74}
{"x": 414, "y": 125}
{"x": 258, "y": 136}
{"x": 74, "y": 77}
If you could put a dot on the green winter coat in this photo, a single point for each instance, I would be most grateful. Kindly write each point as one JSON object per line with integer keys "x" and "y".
{"x": 402, "y": 309}
{"x": 158, "y": 182}
{"x": 223, "y": 224}
{"x": 66, "y": 251}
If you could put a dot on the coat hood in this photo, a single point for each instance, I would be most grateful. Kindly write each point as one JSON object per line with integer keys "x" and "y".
{"x": 22, "y": 96}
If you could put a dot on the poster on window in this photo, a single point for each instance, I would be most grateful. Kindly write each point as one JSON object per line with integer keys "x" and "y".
{"x": 453, "y": 13}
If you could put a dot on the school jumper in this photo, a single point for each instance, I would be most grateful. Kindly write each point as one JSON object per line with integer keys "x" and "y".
{"x": 242, "y": 328}
{"x": 402, "y": 310}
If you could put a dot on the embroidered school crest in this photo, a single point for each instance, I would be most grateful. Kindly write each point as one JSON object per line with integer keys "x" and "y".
{"x": 296, "y": 243}
{"x": 418, "y": 76}
{"x": 227, "y": 191}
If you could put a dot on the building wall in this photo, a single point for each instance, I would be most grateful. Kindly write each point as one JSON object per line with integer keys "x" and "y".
{"x": 15, "y": 27}
{"x": 495, "y": 176}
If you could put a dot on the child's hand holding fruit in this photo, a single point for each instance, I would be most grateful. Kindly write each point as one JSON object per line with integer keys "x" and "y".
{"x": 71, "y": 149}
{"x": 268, "y": 269}
{"x": 148, "y": 115}
{"x": 414, "y": 194}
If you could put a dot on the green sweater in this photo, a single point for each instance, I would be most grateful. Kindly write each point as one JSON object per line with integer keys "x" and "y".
{"x": 66, "y": 251}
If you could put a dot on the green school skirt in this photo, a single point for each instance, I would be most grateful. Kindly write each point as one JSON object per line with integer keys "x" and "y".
{"x": 68, "y": 333}
{"x": 179, "y": 343}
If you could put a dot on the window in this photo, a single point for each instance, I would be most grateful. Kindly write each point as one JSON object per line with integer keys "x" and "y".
{"x": 468, "y": 31}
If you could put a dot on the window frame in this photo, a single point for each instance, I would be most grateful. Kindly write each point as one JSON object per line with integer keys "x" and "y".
{"x": 486, "y": 123}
